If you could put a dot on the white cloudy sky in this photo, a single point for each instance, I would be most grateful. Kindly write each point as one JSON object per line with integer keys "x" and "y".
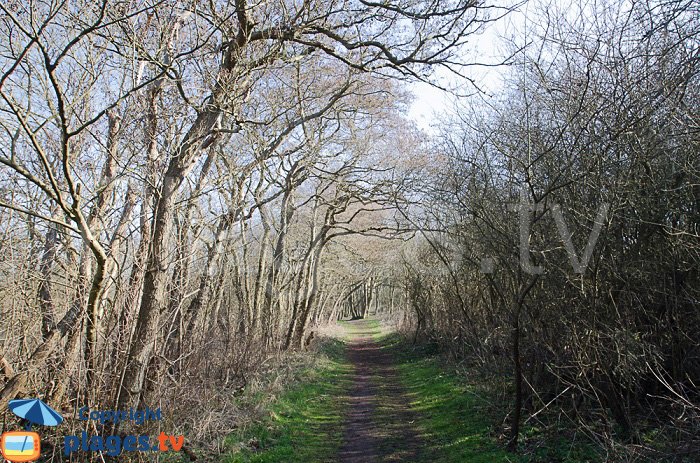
{"x": 487, "y": 47}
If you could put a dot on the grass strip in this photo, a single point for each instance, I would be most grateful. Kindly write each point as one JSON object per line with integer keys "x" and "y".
{"x": 456, "y": 418}
{"x": 305, "y": 423}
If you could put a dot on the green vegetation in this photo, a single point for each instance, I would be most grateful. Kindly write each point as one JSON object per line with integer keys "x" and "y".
{"x": 372, "y": 328}
{"x": 457, "y": 418}
{"x": 454, "y": 418}
{"x": 305, "y": 423}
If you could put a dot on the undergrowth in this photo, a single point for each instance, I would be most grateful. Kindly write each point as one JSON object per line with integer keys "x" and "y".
{"x": 304, "y": 423}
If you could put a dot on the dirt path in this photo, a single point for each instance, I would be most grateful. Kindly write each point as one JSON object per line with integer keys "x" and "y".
{"x": 379, "y": 426}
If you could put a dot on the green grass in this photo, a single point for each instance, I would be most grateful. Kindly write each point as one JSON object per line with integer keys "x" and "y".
{"x": 454, "y": 417}
{"x": 457, "y": 418}
{"x": 372, "y": 327}
{"x": 304, "y": 424}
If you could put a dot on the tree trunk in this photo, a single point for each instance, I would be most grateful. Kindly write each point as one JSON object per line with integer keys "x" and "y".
{"x": 517, "y": 382}
{"x": 310, "y": 293}
{"x": 46, "y": 304}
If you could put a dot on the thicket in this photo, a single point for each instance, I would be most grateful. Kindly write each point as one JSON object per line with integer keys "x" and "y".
{"x": 595, "y": 138}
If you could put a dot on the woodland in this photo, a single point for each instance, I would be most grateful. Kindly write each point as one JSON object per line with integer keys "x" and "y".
{"x": 189, "y": 188}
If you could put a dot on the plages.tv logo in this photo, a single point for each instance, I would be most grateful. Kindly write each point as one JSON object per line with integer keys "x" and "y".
{"x": 21, "y": 446}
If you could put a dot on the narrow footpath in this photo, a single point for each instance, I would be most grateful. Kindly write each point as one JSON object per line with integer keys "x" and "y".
{"x": 373, "y": 398}
{"x": 379, "y": 427}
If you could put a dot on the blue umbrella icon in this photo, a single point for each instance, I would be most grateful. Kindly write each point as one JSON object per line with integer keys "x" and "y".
{"x": 35, "y": 411}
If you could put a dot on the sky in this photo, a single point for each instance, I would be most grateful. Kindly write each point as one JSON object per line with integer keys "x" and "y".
{"x": 488, "y": 47}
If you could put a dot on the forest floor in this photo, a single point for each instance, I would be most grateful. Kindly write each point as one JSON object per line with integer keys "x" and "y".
{"x": 376, "y": 398}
